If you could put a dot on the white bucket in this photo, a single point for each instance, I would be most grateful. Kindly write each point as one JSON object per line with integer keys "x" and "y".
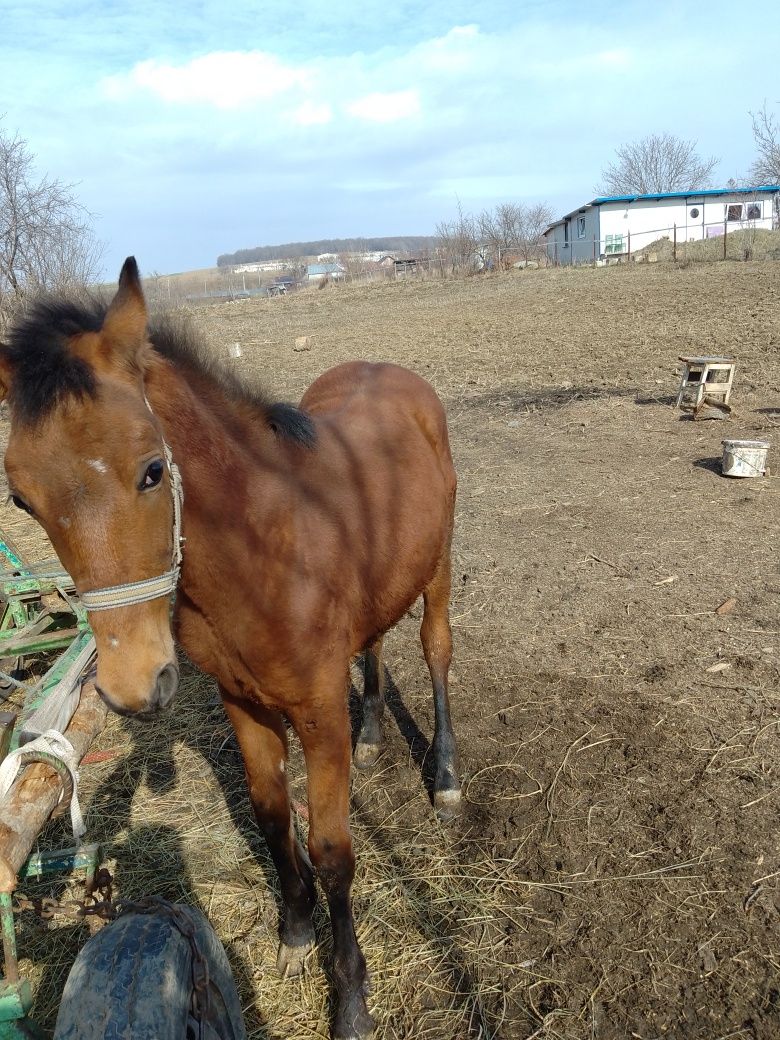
{"x": 744, "y": 458}
{"x": 234, "y": 350}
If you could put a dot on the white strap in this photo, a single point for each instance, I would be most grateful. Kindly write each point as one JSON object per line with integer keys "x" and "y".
{"x": 49, "y": 743}
{"x": 40, "y": 732}
{"x": 131, "y": 593}
{"x": 58, "y": 706}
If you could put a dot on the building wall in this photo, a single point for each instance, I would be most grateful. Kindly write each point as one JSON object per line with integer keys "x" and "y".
{"x": 572, "y": 241}
{"x": 315, "y": 276}
{"x": 696, "y": 217}
{"x": 266, "y": 265}
{"x": 606, "y": 227}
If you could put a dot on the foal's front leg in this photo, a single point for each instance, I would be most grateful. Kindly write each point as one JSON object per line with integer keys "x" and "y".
{"x": 263, "y": 742}
{"x": 323, "y": 726}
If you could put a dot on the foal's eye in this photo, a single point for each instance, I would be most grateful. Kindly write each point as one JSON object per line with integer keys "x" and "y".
{"x": 21, "y": 504}
{"x": 153, "y": 475}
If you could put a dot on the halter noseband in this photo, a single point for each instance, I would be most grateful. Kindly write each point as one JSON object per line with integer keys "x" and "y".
{"x": 150, "y": 588}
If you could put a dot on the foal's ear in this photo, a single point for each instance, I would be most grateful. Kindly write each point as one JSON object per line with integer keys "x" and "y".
{"x": 124, "y": 326}
{"x": 6, "y": 371}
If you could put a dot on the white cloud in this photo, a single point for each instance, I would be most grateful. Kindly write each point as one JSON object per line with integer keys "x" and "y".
{"x": 454, "y": 52}
{"x": 225, "y": 79}
{"x": 313, "y": 113}
{"x": 616, "y": 61}
{"x": 386, "y": 108}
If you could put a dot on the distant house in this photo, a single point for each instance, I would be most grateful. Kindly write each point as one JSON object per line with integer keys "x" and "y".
{"x": 330, "y": 270}
{"x": 613, "y": 225}
{"x": 403, "y": 268}
{"x": 386, "y": 261}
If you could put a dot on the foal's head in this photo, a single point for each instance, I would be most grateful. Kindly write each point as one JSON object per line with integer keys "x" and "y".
{"x": 86, "y": 459}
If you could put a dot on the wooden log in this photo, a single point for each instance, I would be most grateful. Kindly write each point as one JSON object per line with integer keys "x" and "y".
{"x": 36, "y": 791}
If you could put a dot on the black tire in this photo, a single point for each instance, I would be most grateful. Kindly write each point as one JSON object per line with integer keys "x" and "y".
{"x": 133, "y": 981}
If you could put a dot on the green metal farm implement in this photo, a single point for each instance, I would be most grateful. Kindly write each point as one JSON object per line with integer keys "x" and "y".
{"x": 40, "y": 616}
{"x": 168, "y": 977}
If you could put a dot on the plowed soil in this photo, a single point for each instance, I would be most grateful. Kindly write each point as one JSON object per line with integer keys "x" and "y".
{"x": 616, "y": 872}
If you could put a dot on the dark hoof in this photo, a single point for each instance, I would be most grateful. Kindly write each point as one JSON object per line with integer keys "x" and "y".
{"x": 353, "y": 1021}
{"x": 290, "y": 960}
{"x": 367, "y": 755}
{"x": 360, "y": 1030}
{"x": 447, "y": 803}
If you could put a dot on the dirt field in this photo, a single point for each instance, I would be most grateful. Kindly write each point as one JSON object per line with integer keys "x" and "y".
{"x": 616, "y": 873}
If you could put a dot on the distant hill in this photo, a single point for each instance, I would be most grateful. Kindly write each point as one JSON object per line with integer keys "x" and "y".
{"x": 398, "y": 244}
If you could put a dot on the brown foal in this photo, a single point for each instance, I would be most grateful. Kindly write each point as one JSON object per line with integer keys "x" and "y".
{"x": 309, "y": 532}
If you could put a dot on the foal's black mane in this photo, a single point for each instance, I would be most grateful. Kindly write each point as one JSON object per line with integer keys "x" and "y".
{"x": 46, "y": 373}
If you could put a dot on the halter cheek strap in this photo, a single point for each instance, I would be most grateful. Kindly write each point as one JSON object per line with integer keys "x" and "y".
{"x": 150, "y": 588}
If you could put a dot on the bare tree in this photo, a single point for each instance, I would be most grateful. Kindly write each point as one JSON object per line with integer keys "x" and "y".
{"x": 766, "y": 134}
{"x": 536, "y": 219}
{"x": 659, "y": 162}
{"x": 515, "y": 228}
{"x": 46, "y": 241}
{"x": 459, "y": 241}
{"x": 499, "y": 228}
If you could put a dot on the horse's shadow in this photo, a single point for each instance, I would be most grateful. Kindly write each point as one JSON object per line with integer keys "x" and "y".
{"x": 149, "y": 858}
{"x": 164, "y": 871}
{"x": 430, "y": 921}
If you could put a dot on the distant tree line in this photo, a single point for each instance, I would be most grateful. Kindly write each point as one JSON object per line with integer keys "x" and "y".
{"x": 413, "y": 244}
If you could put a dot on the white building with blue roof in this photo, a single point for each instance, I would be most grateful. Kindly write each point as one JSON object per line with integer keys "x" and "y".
{"x": 618, "y": 225}
{"x": 332, "y": 270}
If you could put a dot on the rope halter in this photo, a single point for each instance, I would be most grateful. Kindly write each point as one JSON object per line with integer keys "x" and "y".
{"x": 150, "y": 588}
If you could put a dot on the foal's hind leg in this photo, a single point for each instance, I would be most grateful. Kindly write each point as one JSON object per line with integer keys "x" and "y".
{"x": 369, "y": 743}
{"x": 263, "y": 742}
{"x": 436, "y": 639}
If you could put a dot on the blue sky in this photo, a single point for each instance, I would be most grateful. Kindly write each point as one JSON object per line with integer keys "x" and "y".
{"x": 201, "y": 128}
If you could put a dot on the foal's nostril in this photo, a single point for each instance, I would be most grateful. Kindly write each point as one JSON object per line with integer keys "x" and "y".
{"x": 166, "y": 687}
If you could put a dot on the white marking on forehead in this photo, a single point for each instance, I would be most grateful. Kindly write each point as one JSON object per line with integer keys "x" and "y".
{"x": 64, "y": 521}
{"x": 98, "y": 465}
{"x": 113, "y": 642}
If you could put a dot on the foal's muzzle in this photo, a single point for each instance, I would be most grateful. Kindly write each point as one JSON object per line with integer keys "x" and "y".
{"x": 164, "y": 690}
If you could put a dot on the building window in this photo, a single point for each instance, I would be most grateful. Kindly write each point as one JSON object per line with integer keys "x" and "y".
{"x": 614, "y": 244}
{"x": 754, "y": 211}
{"x": 565, "y": 234}
{"x": 734, "y": 211}
{"x": 694, "y": 213}
{"x": 580, "y": 227}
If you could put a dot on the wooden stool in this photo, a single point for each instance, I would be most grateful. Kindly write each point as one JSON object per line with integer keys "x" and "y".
{"x": 706, "y": 377}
